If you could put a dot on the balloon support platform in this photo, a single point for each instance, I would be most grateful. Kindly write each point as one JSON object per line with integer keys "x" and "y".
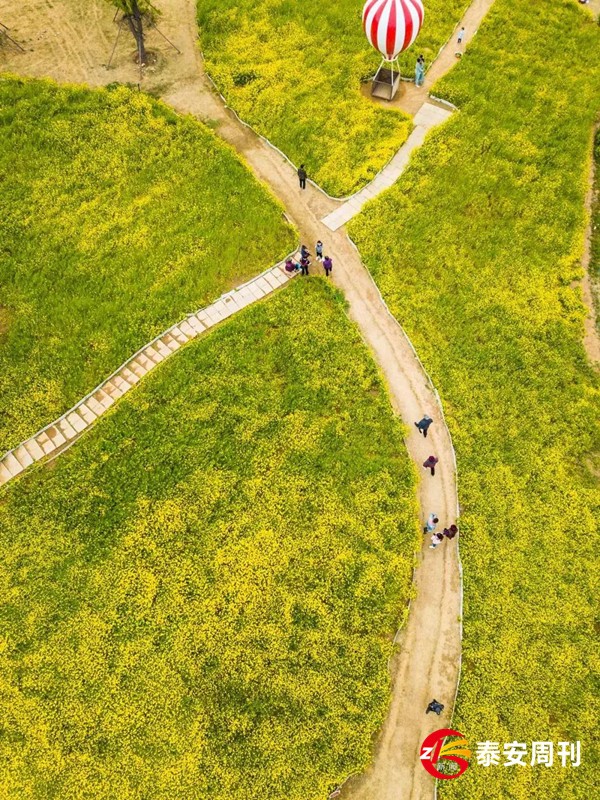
{"x": 386, "y": 81}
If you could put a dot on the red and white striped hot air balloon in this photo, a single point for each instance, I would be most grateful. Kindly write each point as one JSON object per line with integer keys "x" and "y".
{"x": 392, "y": 26}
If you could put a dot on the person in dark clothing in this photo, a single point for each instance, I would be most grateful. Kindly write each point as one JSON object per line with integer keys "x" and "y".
{"x": 423, "y": 425}
{"x": 304, "y": 265}
{"x": 302, "y": 176}
{"x": 327, "y": 265}
{"x": 430, "y": 464}
{"x": 450, "y": 532}
{"x": 435, "y": 706}
{"x": 304, "y": 252}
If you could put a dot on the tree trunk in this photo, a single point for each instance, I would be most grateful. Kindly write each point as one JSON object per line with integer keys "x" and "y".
{"x": 136, "y": 25}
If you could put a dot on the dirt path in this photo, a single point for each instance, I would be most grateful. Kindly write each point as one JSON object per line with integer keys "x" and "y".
{"x": 594, "y": 7}
{"x": 74, "y": 48}
{"x": 590, "y": 286}
{"x": 412, "y": 97}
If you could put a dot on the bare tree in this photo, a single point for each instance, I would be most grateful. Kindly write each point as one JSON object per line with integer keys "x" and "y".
{"x": 137, "y": 13}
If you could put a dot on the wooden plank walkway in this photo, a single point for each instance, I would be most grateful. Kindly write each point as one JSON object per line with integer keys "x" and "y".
{"x": 62, "y": 432}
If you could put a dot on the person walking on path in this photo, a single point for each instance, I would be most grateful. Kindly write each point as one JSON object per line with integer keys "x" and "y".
{"x": 461, "y": 35}
{"x": 319, "y": 250}
{"x": 423, "y": 425}
{"x": 435, "y": 706}
{"x": 304, "y": 265}
{"x": 450, "y": 532}
{"x": 302, "y": 176}
{"x": 304, "y": 252}
{"x": 420, "y": 71}
{"x": 327, "y": 265}
{"x": 430, "y": 464}
{"x": 432, "y": 521}
{"x": 436, "y": 540}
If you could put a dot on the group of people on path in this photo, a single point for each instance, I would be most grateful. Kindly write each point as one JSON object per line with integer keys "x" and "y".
{"x": 304, "y": 264}
{"x": 437, "y": 538}
{"x": 432, "y": 521}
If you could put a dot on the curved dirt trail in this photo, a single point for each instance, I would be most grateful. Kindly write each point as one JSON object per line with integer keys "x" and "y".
{"x": 427, "y": 664}
{"x": 590, "y": 286}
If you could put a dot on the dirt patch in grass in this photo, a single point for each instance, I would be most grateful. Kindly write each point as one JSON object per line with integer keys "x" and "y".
{"x": 5, "y": 320}
{"x": 72, "y": 41}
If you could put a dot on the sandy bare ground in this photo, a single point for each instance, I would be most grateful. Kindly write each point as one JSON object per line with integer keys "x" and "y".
{"x": 72, "y": 41}
{"x": 594, "y": 7}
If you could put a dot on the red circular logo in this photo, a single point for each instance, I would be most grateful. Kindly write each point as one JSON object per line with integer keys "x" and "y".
{"x": 433, "y": 750}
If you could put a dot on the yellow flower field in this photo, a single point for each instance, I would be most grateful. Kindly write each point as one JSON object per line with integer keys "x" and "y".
{"x": 117, "y": 218}
{"x": 294, "y": 72}
{"x": 198, "y": 600}
{"x": 477, "y": 251}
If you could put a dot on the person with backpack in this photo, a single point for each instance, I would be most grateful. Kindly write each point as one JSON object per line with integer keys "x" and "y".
{"x": 423, "y": 425}
{"x": 435, "y": 706}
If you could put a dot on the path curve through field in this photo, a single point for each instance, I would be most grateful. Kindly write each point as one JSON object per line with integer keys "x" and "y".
{"x": 590, "y": 287}
{"x": 427, "y": 664}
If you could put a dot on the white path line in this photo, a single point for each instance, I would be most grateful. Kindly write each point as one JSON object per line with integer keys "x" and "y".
{"x": 426, "y": 118}
{"x": 62, "y": 432}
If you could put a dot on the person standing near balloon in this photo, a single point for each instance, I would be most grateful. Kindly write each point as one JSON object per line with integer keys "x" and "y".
{"x": 420, "y": 71}
{"x": 391, "y": 27}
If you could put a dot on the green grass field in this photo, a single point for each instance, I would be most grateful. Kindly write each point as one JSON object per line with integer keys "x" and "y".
{"x": 116, "y": 218}
{"x": 199, "y": 598}
{"x": 294, "y": 72}
{"x": 477, "y": 252}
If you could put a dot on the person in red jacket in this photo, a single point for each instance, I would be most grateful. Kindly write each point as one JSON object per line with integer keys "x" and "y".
{"x": 430, "y": 464}
{"x": 450, "y": 532}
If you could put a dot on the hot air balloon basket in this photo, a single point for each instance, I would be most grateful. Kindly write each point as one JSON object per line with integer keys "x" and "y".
{"x": 386, "y": 82}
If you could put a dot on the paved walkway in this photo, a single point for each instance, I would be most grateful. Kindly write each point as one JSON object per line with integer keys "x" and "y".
{"x": 427, "y": 117}
{"x": 66, "y": 429}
